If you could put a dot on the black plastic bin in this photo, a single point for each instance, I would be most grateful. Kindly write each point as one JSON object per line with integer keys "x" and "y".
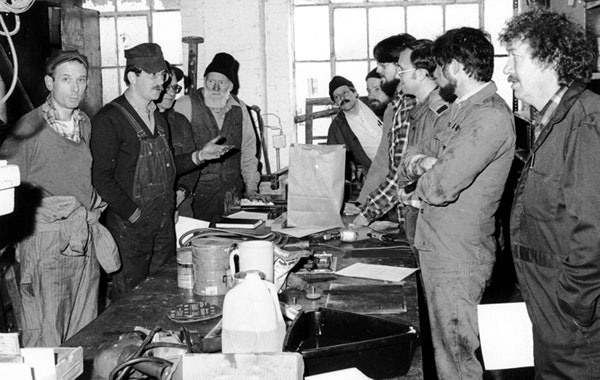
{"x": 331, "y": 339}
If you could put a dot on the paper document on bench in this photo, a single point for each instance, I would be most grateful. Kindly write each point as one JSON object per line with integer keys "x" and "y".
{"x": 506, "y": 336}
{"x": 377, "y": 272}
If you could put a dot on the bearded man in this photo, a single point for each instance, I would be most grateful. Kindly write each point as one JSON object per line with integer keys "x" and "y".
{"x": 215, "y": 111}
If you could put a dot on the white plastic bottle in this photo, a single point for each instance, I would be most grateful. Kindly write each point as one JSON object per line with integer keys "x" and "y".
{"x": 252, "y": 320}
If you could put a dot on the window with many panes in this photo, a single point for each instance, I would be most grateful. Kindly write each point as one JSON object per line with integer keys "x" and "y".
{"x": 126, "y": 23}
{"x": 337, "y": 37}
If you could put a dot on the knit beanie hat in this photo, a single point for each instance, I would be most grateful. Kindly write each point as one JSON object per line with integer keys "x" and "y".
{"x": 373, "y": 74}
{"x": 338, "y": 81}
{"x": 225, "y": 64}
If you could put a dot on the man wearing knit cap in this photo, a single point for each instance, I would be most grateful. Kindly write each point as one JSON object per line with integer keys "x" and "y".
{"x": 376, "y": 92}
{"x": 355, "y": 126}
{"x": 134, "y": 169}
{"x": 215, "y": 111}
{"x": 58, "y": 271}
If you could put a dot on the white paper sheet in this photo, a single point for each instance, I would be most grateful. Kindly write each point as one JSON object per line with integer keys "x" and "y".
{"x": 185, "y": 224}
{"x": 377, "y": 272}
{"x": 506, "y": 336}
{"x": 250, "y": 215}
{"x": 342, "y": 374}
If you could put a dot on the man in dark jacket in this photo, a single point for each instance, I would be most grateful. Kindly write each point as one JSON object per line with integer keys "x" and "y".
{"x": 355, "y": 126}
{"x": 134, "y": 169}
{"x": 555, "y": 220}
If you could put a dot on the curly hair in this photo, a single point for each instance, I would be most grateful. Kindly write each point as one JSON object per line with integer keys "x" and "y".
{"x": 469, "y": 46}
{"x": 554, "y": 39}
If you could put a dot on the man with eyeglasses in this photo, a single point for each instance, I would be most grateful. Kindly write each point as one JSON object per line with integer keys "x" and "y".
{"x": 379, "y": 194}
{"x": 215, "y": 111}
{"x": 354, "y": 126}
{"x": 184, "y": 140}
{"x": 134, "y": 169}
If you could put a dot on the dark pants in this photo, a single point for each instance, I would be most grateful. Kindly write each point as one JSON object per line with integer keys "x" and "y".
{"x": 144, "y": 247}
{"x": 561, "y": 349}
{"x": 210, "y": 195}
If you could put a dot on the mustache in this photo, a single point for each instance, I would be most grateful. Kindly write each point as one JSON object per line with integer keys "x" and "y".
{"x": 511, "y": 78}
{"x": 158, "y": 88}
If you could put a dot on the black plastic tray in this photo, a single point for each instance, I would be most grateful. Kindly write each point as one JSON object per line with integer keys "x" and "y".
{"x": 330, "y": 340}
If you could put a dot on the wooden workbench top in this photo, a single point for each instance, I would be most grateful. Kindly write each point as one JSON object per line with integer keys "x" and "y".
{"x": 148, "y": 304}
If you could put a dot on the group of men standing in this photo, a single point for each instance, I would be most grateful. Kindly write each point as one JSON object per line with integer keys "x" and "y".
{"x": 447, "y": 147}
{"x": 126, "y": 159}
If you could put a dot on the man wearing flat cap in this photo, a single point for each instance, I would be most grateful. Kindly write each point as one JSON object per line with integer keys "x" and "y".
{"x": 215, "y": 111}
{"x": 57, "y": 266}
{"x": 134, "y": 169}
{"x": 355, "y": 126}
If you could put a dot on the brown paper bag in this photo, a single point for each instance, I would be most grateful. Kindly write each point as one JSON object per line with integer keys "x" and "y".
{"x": 316, "y": 185}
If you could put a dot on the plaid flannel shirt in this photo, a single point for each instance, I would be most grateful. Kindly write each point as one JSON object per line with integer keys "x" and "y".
{"x": 49, "y": 112}
{"x": 385, "y": 197}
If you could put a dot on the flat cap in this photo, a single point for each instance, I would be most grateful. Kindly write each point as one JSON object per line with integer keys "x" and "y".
{"x": 60, "y": 56}
{"x": 147, "y": 56}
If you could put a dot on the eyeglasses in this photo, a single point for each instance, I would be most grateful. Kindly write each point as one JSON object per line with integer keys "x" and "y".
{"x": 173, "y": 87}
{"x": 162, "y": 75}
{"x": 400, "y": 72}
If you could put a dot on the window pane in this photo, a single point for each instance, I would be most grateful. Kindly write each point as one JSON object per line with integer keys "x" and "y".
{"x": 349, "y": 32}
{"x": 132, "y": 5}
{"x": 347, "y": 1}
{"x": 165, "y": 4}
{"x": 496, "y": 14}
{"x": 100, "y": 5}
{"x": 166, "y": 31}
{"x": 108, "y": 41}
{"x": 384, "y": 22}
{"x": 501, "y": 81}
{"x": 132, "y": 31}
{"x": 356, "y": 73}
{"x": 382, "y": 1}
{"x": 110, "y": 84}
{"x": 462, "y": 15}
{"x": 425, "y": 21}
{"x": 311, "y": 33}
{"x": 312, "y": 81}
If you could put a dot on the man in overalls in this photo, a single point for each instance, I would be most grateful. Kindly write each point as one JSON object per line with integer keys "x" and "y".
{"x": 134, "y": 169}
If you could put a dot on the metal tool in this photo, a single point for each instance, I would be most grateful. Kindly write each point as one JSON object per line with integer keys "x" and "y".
{"x": 193, "y": 42}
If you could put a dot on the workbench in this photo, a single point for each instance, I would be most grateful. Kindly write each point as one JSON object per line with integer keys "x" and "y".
{"x": 148, "y": 304}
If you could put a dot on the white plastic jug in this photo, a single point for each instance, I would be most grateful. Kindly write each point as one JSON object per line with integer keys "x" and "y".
{"x": 252, "y": 320}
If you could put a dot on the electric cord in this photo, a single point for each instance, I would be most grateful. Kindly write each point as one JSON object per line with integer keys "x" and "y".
{"x": 136, "y": 355}
{"x": 127, "y": 364}
{"x": 15, "y": 6}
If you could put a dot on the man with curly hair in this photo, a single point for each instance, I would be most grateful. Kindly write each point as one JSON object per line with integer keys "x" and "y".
{"x": 555, "y": 219}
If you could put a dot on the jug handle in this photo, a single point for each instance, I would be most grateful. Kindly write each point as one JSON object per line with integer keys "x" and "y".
{"x": 273, "y": 292}
{"x": 232, "y": 262}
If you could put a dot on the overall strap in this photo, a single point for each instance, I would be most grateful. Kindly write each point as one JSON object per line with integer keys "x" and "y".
{"x": 136, "y": 125}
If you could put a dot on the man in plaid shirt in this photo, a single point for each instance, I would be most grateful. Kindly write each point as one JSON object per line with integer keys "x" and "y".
{"x": 380, "y": 191}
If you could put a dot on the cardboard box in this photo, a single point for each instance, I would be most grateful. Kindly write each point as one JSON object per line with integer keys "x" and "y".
{"x": 281, "y": 366}
{"x": 41, "y": 362}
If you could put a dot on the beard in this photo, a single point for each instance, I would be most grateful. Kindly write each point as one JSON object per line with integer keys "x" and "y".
{"x": 390, "y": 87}
{"x": 214, "y": 99}
{"x": 448, "y": 92}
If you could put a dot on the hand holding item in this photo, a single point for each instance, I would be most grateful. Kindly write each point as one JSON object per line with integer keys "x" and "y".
{"x": 360, "y": 221}
{"x": 213, "y": 150}
{"x": 254, "y": 195}
{"x": 351, "y": 209}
